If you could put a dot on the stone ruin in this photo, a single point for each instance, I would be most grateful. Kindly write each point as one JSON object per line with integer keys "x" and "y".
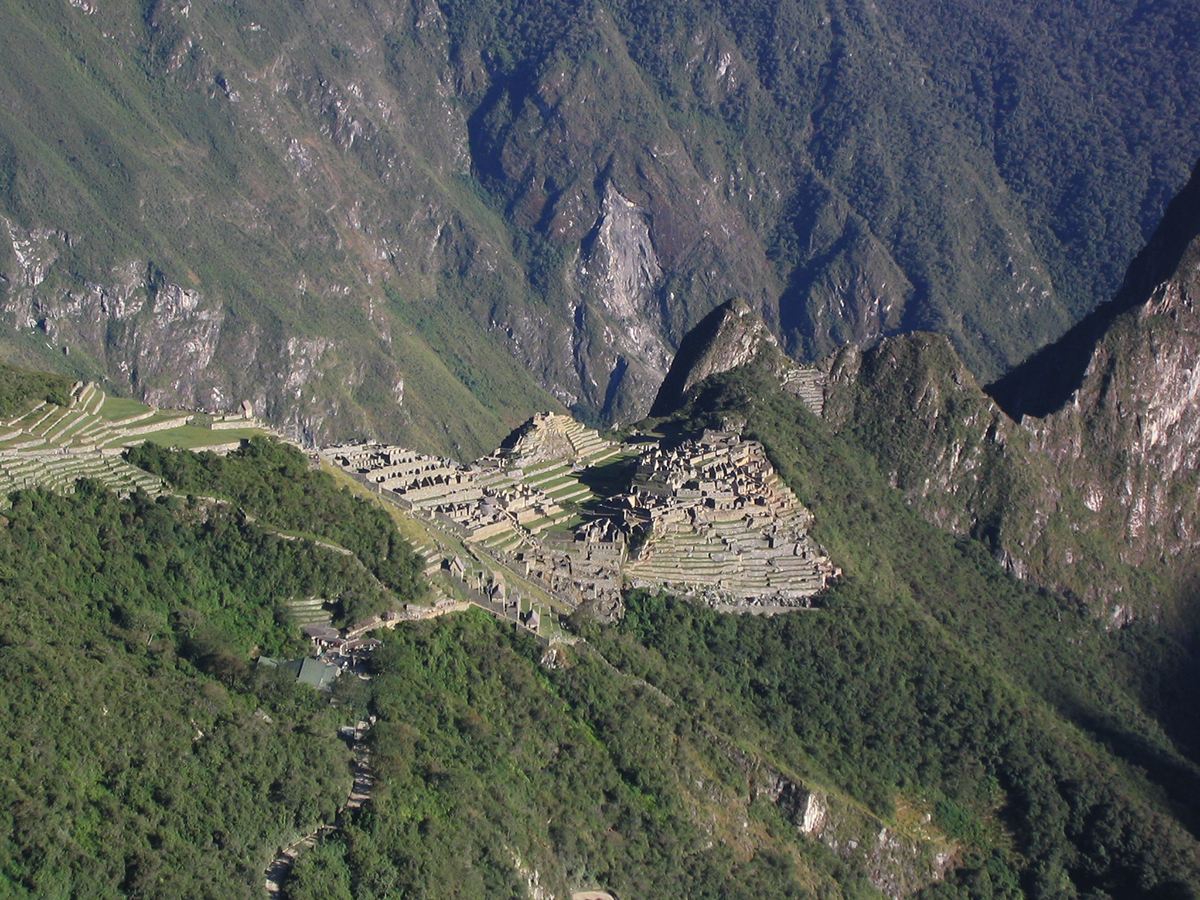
{"x": 708, "y": 518}
{"x": 713, "y": 520}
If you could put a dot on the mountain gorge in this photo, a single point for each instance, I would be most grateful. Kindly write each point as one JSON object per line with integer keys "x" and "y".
{"x": 358, "y": 216}
{"x": 832, "y": 270}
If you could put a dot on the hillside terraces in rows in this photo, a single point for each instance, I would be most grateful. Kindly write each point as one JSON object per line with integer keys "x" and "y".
{"x": 731, "y": 562}
{"x": 555, "y": 437}
{"x": 717, "y": 522}
{"x": 709, "y": 517}
{"x": 58, "y": 471}
{"x": 52, "y": 446}
{"x": 809, "y": 385}
{"x": 500, "y": 500}
{"x": 310, "y": 611}
{"x": 82, "y": 425}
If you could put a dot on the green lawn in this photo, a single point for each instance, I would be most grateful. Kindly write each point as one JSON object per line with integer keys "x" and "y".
{"x": 192, "y": 437}
{"x": 557, "y": 482}
{"x": 121, "y": 408}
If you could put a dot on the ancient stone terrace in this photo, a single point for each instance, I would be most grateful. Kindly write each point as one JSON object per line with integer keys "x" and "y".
{"x": 581, "y": 568}
{"x": 717, "y": 522}
{"x": 558, "y": 438}
{"x": 501, "y": 500}
{"x": 809, "y": 385}
{"x": 709, "y": 517}
{"x": 476, "y": 499}
{"x": 52, "y": 446}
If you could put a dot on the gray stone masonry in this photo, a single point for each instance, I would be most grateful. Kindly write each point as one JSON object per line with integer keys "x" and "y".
{"x": 716, "y": 521}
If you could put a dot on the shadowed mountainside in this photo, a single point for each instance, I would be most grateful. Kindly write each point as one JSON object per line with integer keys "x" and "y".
{"x": 1094, "y": 490}
{"x": 1048, "y": 380}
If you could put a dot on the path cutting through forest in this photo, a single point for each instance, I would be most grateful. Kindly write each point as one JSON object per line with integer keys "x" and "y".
{"x": 360, "y": 791}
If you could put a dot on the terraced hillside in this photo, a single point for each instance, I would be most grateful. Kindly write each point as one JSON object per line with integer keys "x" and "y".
{"x": 719, "y": 523}
{"x": 52, "y": 446}
{"x": 580, "y": 516}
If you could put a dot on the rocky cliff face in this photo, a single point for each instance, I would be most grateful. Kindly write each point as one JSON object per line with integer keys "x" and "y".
{"x": 734, "y": 335}
{"x": 1127, "y": 438}
{"x": 913, "y": 404}
{"x": 359, "y": 215}
{"x": 174, "y": 346}
{"x": 896, "y": 864}
{"x": 1087, "y": 479}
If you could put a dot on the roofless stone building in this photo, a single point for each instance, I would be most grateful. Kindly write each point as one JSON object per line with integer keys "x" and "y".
{"x": 707, "y": 517}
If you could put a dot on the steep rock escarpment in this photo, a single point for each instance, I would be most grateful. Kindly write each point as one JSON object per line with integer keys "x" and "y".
{"x": 373, "y": 208}
{"x": 175, "y": 347}
{"x": 1086, "y": 480}
{"x": 733, "y": 335}
{"x": 916, "y": 408}
{"x": 1127, "y": 436}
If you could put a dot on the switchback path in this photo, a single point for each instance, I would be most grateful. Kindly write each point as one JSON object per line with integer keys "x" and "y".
{"x": 360, "y": 791}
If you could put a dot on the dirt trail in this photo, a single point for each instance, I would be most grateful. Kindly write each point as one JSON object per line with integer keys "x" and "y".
{"x": 360, "y": 791}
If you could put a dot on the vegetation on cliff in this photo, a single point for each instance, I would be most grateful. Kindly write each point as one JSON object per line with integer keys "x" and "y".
{"x": 1072, "y": 730}
{"x": 934, "y": 704}
{"x": 1078, "y": 467}
{"x": 360, "y": 227}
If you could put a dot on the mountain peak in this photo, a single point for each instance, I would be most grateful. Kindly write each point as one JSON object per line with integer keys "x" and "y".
{"x": 1153, "y": 284}
{"x": 730, "y": 336}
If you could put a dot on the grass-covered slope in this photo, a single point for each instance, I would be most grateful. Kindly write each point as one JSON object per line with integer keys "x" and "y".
{"x": 21, "y": 389}
{"x": 194, "y": 253}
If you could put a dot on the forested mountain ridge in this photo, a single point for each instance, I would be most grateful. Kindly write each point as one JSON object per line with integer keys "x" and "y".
{"x": 934, "y": 728}
{"x": 1078, "y": 467}
{"x": 356, "y": 216}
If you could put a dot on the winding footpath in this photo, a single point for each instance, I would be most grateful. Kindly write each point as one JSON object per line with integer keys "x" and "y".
{"x": 360, "y": 792}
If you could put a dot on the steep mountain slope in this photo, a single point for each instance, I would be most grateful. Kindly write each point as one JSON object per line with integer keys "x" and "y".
{"x": 729, "y": 337}
{"x": 913, "y": 600}
{"x": 934, "y": 728}
{"x": 358, "y": 215}
{"x": 1086, "y": 480}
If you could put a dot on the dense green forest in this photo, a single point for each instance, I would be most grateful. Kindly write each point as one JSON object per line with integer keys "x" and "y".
{"x": 491, "y": 763}
{"x": 144, "y": 755}
{"x": 930, "y": 697}
{"x": 928, "y": 680}
{"x": 945, "y": 648}
{"x": 273, "y": 481}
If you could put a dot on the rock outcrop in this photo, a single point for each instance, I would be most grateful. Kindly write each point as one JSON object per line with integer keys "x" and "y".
{"x": 389, "y": 203}
{"x": 1081, "y": 467}
{"x": 734, "y": 335}
{"x": 896, "y": 864}
{"x": 1125, "y": 431}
